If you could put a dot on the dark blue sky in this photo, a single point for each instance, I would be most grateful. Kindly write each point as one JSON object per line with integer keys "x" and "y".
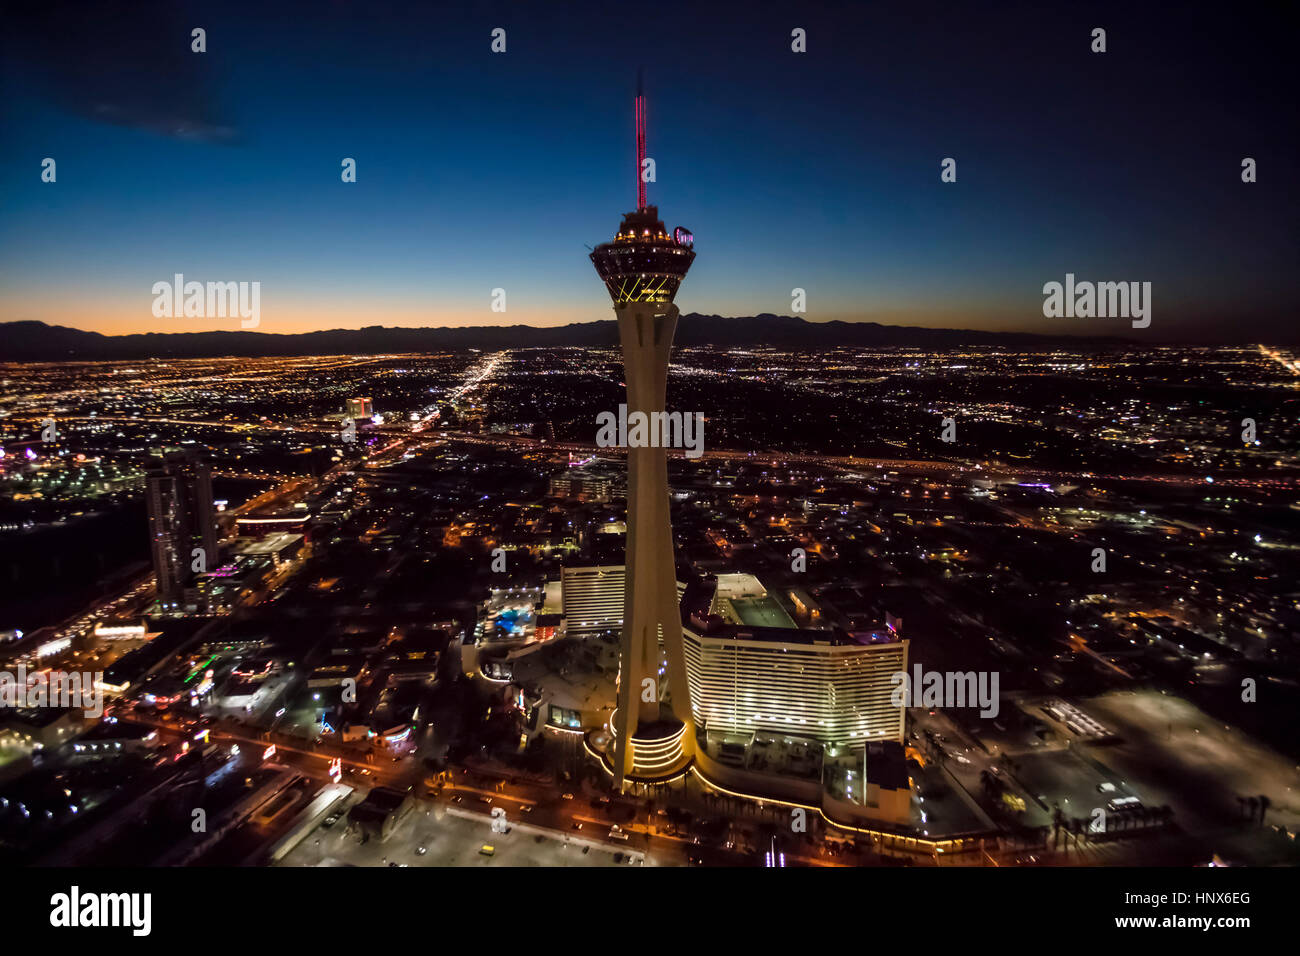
{"x": 819, "y": 170}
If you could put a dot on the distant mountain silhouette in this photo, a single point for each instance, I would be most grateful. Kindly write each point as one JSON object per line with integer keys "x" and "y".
{"x": 38, "y": 342}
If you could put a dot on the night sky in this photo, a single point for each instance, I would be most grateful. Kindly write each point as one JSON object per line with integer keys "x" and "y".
{"x": 816, "y": 170}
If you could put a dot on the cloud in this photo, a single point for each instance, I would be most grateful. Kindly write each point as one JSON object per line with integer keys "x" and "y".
{"x": 128, "y": 64}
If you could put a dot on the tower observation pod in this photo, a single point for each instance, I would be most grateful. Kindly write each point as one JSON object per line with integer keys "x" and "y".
{"x": 652, "y": 734}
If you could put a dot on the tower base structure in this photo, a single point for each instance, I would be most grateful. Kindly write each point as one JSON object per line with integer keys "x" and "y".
{"x": 659, "y": 752}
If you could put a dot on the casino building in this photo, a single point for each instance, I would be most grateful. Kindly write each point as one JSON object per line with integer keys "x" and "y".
{"x": 827, "y": 685}
{"x": 801, "y": 717}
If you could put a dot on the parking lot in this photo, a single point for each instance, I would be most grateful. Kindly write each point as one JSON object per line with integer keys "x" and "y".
{"x": 453, "y": 839}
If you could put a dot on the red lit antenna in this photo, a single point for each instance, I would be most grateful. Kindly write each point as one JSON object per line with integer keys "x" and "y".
{"x": 640, "y": 142}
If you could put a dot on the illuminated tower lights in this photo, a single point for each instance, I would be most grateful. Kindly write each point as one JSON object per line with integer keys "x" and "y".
{"x": 642, "y": 269}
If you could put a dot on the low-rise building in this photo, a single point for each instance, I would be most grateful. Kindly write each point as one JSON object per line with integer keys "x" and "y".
{"x": 380, "y": 813}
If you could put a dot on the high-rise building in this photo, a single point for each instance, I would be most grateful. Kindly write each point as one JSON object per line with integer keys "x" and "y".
{"x": 642, "y": 269}
{"x": 829, "y": 685}
{"x": 592, "y": 599}
{"x": 182, "y": 522}
{"x": 358, "y": 408}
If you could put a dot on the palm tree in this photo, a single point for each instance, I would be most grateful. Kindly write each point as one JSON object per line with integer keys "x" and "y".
{"x": 1264, "y": 804}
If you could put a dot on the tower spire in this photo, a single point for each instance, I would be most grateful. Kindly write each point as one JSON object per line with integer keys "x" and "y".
{"x": 640, "y": 142}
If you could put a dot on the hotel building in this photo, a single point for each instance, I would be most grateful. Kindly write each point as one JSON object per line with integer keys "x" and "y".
{"x": 182, "y": 524}
{"x": 359, "y": 408}
{"x": 831, "y": 686}
{"x": 592, "y": 600}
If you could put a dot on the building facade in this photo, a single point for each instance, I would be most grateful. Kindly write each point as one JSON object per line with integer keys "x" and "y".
{"x": 358, "y": 408}
{"x": 182, "y": 523}
{"x": 827, "y": 685}
{"x": 592, "y": 599}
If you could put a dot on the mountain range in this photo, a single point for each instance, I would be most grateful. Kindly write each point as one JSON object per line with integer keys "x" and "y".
{"x": 38, "y": 342}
